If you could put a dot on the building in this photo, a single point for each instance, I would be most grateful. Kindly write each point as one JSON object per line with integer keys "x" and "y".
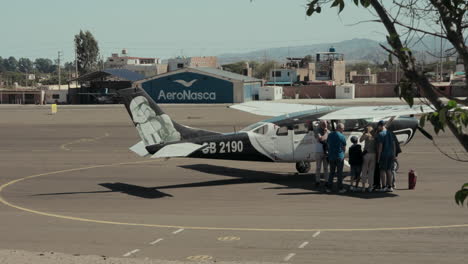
{"x": 21, "y": 96}
{"x": 201, "y": 85}
{"x": 142, "y": 65}
{"x": 389, "y": 77}
{"x": 193, "y": 62}
{"x": 295, "y": 70}
{"x": 367, "y": 78}
{"x": 460, "y": 67}
{"x": 282, "y": 77}
{"x": 330, "y": 66}
{"x": 101, "y": 86}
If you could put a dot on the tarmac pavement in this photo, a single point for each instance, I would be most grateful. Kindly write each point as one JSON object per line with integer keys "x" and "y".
{"x": 87, "y": 194}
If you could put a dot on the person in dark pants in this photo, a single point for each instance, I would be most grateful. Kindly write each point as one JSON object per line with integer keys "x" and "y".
{"x": 336, "y": 142}
{"x": 355, "y": 160}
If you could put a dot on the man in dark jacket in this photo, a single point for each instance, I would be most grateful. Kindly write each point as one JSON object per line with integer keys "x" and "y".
{"x": 355, "y": 160}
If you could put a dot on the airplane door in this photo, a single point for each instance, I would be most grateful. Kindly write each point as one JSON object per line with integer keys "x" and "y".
{"x": 263, "y": 140}
{"x": 304, "y": 143}
{"x": 283, "y": 142}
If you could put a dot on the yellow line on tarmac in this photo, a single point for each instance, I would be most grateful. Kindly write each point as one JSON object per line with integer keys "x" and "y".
{"x": 80, "y": 219}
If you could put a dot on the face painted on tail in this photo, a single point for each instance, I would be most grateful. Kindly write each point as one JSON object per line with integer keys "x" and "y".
{"x": 153, "y": 128}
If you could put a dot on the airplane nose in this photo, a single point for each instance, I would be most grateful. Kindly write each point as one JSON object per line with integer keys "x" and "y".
{"x": 405, "y": 128}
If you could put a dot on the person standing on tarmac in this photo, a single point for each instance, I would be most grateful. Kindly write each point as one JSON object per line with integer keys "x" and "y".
{"x": 369, "y": 159}
{"x": 386, "y": 156}
{"x": 355, "y": 160}
{"x": 336, "y": 148}
{"x": 322, "y": 152}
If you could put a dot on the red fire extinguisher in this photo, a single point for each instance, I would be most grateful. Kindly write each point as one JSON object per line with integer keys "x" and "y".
{"x": 412, "y": 177}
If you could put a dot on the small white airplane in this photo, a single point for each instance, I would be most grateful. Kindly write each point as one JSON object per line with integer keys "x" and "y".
{"x": 286, "y": 137}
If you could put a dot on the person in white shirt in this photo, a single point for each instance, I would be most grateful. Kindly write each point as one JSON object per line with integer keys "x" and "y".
{"x": 321, "y": 157}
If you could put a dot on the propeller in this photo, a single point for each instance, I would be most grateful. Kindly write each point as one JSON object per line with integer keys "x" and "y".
{"x": 425, "y": 133}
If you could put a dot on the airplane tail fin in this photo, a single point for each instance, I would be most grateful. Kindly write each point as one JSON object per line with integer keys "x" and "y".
{"x": 153, "y": 125}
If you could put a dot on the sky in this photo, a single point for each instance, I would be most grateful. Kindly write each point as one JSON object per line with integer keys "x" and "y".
{"x": 168, "y": 28}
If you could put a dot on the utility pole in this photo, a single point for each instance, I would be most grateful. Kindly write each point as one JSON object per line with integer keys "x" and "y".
{"x": 58, "y": 62}
{"x": 441, "y": 60}
{"x": 76, "y": 63}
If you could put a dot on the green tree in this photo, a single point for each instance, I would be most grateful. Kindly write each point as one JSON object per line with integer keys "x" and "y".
{"x": 407, "y": 21}
{"x": 2, "y": 67}
{"x": 25, "y": 65}
{"x": 10, "y": 64}
{"x": 87, "y": 51}
{"x": 44, "y": 65}
{"x": 235, "y": 67}
{"x": 262, "y": 71}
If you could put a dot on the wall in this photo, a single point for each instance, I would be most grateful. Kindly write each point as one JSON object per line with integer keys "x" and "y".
{"x": 375, "y": 90}
{"x": 189, "y": 87}
{"x": 287, "y": 75}
{"x": 339, "y": 72}
{"x": 459, "y": 91}
{"x": 251, "y": 91}
{"x": 210, "y": 62}
{"x": 326, "y": 91}
{"x": 60, "y": 96}
{"x": 147, "y": 70}
{"x": 309, "y": 91}
{"x": 388, "y": 77}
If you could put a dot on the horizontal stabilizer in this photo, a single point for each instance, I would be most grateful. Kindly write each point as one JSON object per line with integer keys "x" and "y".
{"x": 140, "y": 149}
{"x": 177, "y": 150}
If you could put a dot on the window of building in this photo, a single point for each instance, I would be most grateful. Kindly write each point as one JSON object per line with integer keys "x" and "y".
{"x": 56, "y": 96}
{"x": 276, "y": 74}
{"x": 346, "y": 90}
{"x": 282, "y": 131}
{"x": 180, "y": 65}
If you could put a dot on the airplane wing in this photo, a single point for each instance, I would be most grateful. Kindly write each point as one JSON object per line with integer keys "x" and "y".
{"x": 376, "y": 112}
{"x": 275, "y": 109}
{"x": 332, "y": 113}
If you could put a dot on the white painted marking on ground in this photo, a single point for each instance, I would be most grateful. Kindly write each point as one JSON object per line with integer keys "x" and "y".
{"x": 290, "y": 256}
{"x": 178, "y": 231}
{"x": 156, "y": 241}
{"x": 316, "y": 234}
{"x": 304, "y": 244}
{"x": 131, "y": 253}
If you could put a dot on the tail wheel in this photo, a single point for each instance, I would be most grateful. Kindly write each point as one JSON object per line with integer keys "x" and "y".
{"x": 303, "y": 166}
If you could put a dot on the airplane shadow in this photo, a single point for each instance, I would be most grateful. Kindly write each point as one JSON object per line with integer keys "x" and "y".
{"x": 286, "y": 181}
{"x": 129, "y": 189}
{"x": 238, "y": 176}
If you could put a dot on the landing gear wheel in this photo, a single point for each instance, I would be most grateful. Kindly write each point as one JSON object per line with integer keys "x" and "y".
{"x": 396, "y": 165}
{"x": 303, "y": 166}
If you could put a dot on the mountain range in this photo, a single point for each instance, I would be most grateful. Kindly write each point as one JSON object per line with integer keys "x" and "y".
{"x": 354, "y": 50}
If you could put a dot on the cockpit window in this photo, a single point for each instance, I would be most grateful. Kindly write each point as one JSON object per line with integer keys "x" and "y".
{"x": 261, "y": 130}
{"x": 301, "y": 128}
{"x": 252, "y": 126}
{"x": 282, "y": 131}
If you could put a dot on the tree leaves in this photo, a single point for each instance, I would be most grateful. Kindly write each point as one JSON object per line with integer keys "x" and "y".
{"x": 87, "y": 51}
{"x": 461, "y": 195}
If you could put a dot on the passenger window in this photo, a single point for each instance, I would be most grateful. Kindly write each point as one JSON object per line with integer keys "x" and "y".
{"x": 282, "y": 131}
{"x": 261, "y": 130}
{"x": 301, "y": 129}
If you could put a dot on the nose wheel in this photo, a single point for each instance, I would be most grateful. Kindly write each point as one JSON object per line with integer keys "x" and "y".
{"x": 303, "y": 166}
